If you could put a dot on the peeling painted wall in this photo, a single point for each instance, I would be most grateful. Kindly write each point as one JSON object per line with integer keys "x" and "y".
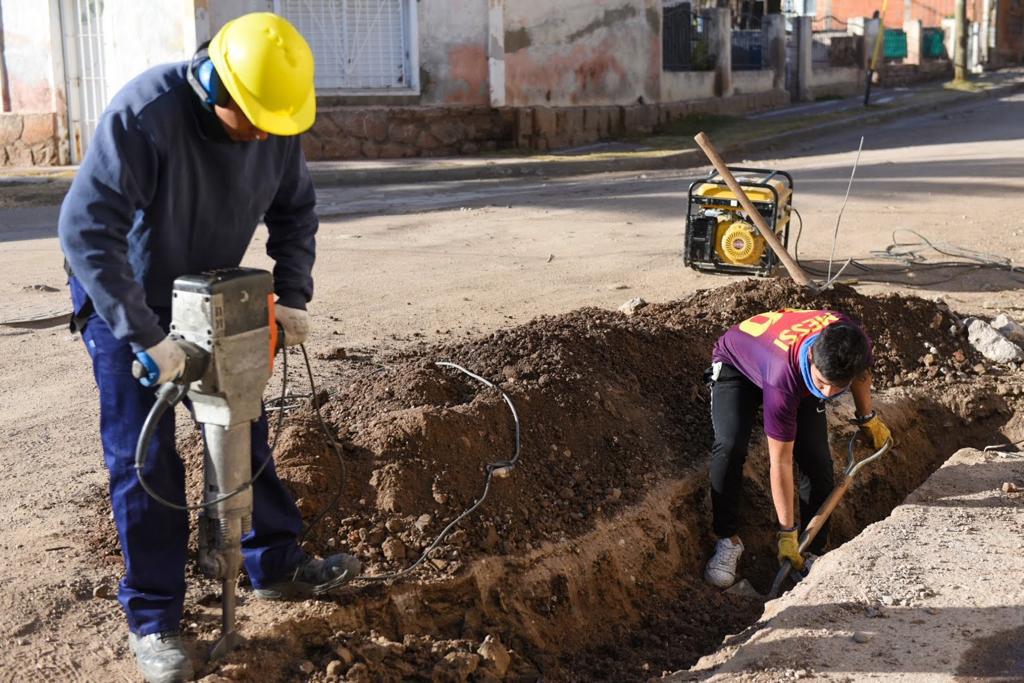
{"x": 582, "y": 52}
{"x": 28, "y": 57}
{"x": 677, "y": 86}
{"x": 453, "y": 52}
{"x": 140, "y": 35}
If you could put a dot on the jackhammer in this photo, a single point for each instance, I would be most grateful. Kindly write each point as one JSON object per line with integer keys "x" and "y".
{"x": 224, "y": 321}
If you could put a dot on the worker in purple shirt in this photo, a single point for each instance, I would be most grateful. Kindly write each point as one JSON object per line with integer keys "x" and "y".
{"x": 791, "y": 361}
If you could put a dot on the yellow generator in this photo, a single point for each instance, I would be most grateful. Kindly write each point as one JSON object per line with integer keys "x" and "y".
{"x": 719, "y": 238}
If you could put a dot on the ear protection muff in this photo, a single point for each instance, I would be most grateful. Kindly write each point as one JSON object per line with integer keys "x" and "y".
{"x": 204, "y": 79}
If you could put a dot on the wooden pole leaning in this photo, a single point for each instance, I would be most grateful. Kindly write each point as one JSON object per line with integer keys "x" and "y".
{"x": 794, "y": 270}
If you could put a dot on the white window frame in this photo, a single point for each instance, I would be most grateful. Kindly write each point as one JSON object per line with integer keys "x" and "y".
{"x": 412, "y": 48}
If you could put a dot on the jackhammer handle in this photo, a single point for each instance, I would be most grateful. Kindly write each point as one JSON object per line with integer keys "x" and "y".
{"x": 792, "y": 267}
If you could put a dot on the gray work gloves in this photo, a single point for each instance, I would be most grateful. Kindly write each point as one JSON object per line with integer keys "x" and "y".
{"x": 294, "y": 322}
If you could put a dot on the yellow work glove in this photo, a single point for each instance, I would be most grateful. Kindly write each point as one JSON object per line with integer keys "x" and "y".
{"x": 875, "y": 431}
{"x": 789, "y": 549}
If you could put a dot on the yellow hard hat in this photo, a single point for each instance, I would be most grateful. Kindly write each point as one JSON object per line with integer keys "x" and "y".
{"x": 267, "y": 67}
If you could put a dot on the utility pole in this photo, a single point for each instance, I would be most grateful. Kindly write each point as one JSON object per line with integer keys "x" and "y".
{"x": 960, "y": 56}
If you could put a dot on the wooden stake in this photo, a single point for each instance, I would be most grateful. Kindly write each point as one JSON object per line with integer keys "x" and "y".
{"x": 794, "y": 270}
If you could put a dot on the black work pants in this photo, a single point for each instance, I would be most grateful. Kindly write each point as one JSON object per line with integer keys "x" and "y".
{"x": 734, "y": 403}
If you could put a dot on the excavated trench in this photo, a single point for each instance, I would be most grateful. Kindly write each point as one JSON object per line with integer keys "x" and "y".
{"x": 585, "y": 562}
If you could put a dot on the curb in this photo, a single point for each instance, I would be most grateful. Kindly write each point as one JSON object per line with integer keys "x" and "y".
{"x": 690, "y": 158}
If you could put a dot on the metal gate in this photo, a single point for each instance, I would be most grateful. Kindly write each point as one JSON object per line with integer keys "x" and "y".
{"x": 358, "y": 44}
{"x": 84, "y": 72}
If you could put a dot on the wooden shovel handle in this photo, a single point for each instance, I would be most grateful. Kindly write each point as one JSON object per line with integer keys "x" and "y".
{"x": 794, "y": 270}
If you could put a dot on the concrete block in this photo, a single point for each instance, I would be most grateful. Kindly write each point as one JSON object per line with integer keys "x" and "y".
{"x": 375, "y": 125}
{"x": 592, "y": 120}
{"x": 394, "y": 150}
{"x": 19, "y": 154}
{"x": 1009, "y": 328}
{"x": 427, "y": 142}
{"x": 544, "y": 122}
{"x": 992, "y": 344}
{"x": 11, "y": 126}
{"x": 506, "y": 121}
{"x": 371, "y": 150}
{"x": 39, "y": 128}
{"x": 524, "y": 120}
{"x": 350, "y": 123}
{"x": 341, "y": 147}
{"x": 616, "y": 121}
{"x": 45, "y": 154}
{"x": 572, "y": 124}
{"x": 404, "y": 133}
{"x": 447, "y": 131}
{"x": 639, "y": 118}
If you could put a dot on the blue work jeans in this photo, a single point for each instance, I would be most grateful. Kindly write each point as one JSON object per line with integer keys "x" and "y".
{"x": 153, "y": 536}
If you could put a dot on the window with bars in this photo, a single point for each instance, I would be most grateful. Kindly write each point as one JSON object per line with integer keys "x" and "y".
{"x": 359, "y": 45}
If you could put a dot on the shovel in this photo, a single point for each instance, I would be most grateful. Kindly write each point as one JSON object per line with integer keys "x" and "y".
{"x": 814, "y": 526}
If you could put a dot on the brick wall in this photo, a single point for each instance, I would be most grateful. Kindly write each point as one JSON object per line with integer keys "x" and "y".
{"x": 396, "y": 132}
{"x": 28, "y": 139}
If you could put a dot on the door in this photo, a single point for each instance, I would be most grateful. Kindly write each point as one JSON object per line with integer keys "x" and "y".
{"x": 84, "y": 72}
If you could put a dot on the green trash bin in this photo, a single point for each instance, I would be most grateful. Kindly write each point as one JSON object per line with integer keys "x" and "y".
{"x": 894, "y": 44}
{"x": 932, "y": 46}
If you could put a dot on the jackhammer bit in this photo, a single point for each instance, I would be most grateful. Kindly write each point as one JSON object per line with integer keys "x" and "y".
{"x": 224, "y": 321}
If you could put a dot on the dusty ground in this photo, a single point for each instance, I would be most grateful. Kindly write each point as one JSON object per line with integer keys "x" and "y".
{"x": 507, "y": 253}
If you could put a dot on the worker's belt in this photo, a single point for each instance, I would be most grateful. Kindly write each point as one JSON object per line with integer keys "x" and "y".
{"x": 80, "y": 317}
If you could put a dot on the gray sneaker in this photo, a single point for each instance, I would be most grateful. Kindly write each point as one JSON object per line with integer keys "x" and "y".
{"x": 161, "y": 657}
{"x": 721, "y": 568}
{"x": 313, "y": 576}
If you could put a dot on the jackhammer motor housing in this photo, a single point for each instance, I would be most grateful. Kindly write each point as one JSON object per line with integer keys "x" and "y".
{"x": 719, "y": 238}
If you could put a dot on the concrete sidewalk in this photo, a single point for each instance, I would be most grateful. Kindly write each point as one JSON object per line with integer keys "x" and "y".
{"x": 673, "y": 148}
{"x": 930, "y": 593}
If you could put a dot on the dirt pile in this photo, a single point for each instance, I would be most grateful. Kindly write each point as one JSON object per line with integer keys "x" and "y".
{"x": 608, "y": 405}
{"x": 585, "y": 562}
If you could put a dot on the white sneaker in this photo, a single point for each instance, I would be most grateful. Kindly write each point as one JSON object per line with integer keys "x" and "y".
{"x": 721, "y": 569}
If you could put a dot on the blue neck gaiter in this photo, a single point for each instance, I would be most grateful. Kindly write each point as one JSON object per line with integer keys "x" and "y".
{"x": 805, "y": 367}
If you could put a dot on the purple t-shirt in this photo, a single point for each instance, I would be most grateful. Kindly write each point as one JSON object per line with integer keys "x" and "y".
{"x": 766, "y": 349}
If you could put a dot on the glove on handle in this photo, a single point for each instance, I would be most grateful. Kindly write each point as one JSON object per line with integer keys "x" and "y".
{"x": 294, "y": 322}
{"x": 789, "y": 546}
{"x": 160, "y": 363}
{"x": 875, "y": 431}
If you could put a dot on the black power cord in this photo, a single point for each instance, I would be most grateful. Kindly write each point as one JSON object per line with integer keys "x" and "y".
{"x": 914, "y": 262}
{"x": 168, "y": 396}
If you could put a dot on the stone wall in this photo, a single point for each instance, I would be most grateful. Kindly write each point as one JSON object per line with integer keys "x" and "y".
{"x": 396, "y": 132}
{"x": 896, "y": 75}
{"x": 28, "y": 139}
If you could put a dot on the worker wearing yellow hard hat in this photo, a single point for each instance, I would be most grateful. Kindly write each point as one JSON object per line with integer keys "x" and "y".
{"x": 186, "y": 163}
{"x": 266, "y": 67}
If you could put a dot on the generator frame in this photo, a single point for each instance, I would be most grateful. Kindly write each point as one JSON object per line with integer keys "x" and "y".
{"x": 709, "y": 260}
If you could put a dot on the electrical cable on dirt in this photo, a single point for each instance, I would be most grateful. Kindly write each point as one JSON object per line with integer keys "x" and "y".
{"x": 176, "y": 392}
{"x": 999, "y": 447}
{"x": 498, "y": 468}
{"x": 332, "y": 444}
